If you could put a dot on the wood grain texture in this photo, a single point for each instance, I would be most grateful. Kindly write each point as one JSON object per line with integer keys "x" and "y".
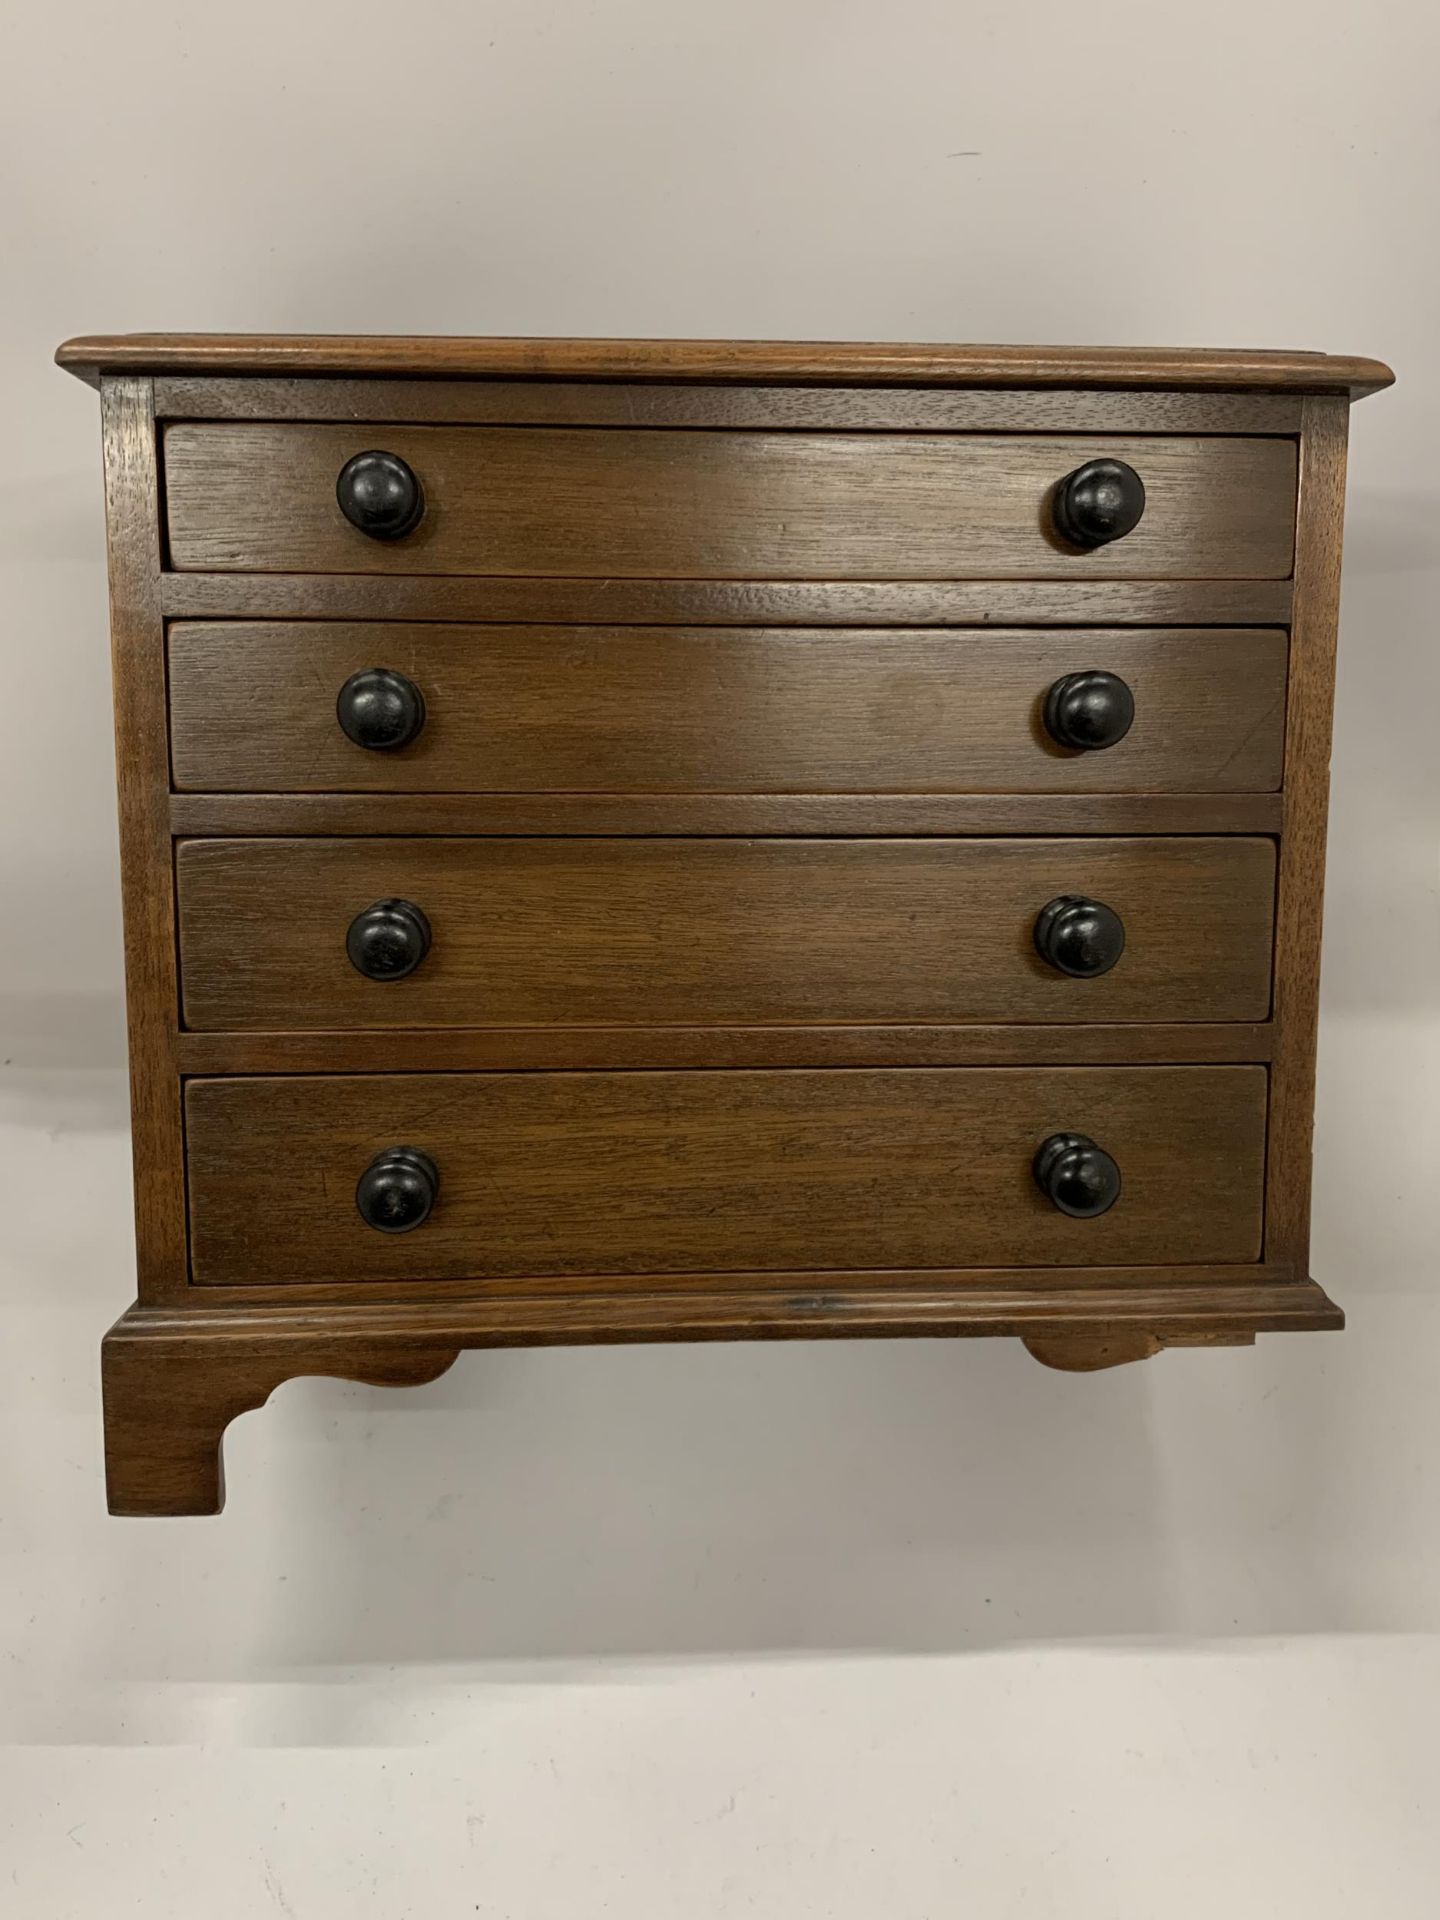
{"x": 563, "y": 1296}
{"x": 615, "y": 709}
{"x": 826, "y": 361}
{"x": 168, "y": 1403}
{"x": 636, "y": 1173}
{"x": 173, "y": 1382}
{"x": 588, "y": 501}
{"x": 580, "y": 932}
{"x": 486, "y": 1049}
{"x": 706, "y": 814}
{"x": 1176, "y": 1302}
{"x": 731, "y": 603}
{"x": 138, "y": 655}
{"x": 816, "y": 409}
{"x": 1300, "y": 899}
{"x": 732, "y": 654}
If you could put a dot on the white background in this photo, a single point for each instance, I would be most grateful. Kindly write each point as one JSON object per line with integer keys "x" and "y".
{"x": 904, "y": 1630}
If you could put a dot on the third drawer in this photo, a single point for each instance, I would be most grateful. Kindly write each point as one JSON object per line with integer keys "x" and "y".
{"x": 276, "y": 934}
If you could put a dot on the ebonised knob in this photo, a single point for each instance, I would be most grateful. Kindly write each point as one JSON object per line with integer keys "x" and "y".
{"x": 388, "y": 940}
{"x": 397, "y": 1190}
{"x": 1081, "y": 937}
{"x": 1077, "y": 1176}
{"x": 1097, "y": 503}
{"x": 379, "y": 494}
{"x": 380, "y": 709}
{"x": 1088, "y": 711}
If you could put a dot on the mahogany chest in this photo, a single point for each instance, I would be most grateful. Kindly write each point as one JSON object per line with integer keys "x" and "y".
{"x": 680, "y": 840}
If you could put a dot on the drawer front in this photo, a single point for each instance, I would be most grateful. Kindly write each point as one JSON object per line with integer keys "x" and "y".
{"x": 607, "y": 709}
{"x": 693, "y": 1173}
{"x": 579, "y": 932}
{"x": 722, "y": 505}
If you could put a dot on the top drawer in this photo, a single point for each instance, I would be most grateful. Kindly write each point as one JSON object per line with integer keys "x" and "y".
{"x": 722, "y": 505}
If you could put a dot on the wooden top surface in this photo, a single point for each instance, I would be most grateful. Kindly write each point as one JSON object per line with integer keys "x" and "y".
{"x": 854, "y": 363}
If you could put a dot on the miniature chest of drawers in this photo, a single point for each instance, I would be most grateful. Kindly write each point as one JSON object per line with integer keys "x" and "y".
{"x": 675, "y": 840}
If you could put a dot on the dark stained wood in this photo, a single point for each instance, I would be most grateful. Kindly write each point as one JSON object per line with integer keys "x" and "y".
{"x": 1180, "y": 1303}
{"x": 642, "y": 1173}
{"x": 173, "y": 1382}
{"x": 814, "y": 1288}
{"x": 486, "y": 1049}
{"x": 587, "y": 501}
{"x": 615, "y": 709}
{"x": 561, "y": 1295}
{"x": 727, "y": 806}
{"x": 1302, "y": 863}
{"x": 732, "y": 603}
{"x": 138, "y": 655}
{"x": 705, "y": 814}
{"x": 168, "y": 1403}
{"x": 814, "y": 409}
{"x": 863, "y": 363}
{"x": 579, "y": 932}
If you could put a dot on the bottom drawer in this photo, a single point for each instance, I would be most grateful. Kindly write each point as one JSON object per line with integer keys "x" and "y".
{"x": 638, "y": 1174}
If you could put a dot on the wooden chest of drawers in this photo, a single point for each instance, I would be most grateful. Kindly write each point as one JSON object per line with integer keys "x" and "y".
{"x": 642, "y": 841}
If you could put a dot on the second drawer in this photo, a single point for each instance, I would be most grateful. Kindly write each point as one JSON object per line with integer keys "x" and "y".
{"x": 319, "y": 706}
{"x": 291, "y": 934}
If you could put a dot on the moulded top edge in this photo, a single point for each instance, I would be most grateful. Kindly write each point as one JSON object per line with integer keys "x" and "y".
{"x": 827, "y": 362}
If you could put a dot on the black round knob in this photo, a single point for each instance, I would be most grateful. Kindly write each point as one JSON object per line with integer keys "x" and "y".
{"x": 380, "y": 709}
{"x": 1097, "y": 503}
{"x": 397, "y": 1190}
{"x": 1089, "y": 710}
{"x": 388, "y": 940}
{"x": 1077, "y": 1176}
{"x": 379, "y": 494}
{"x": 1081, "y": 937}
